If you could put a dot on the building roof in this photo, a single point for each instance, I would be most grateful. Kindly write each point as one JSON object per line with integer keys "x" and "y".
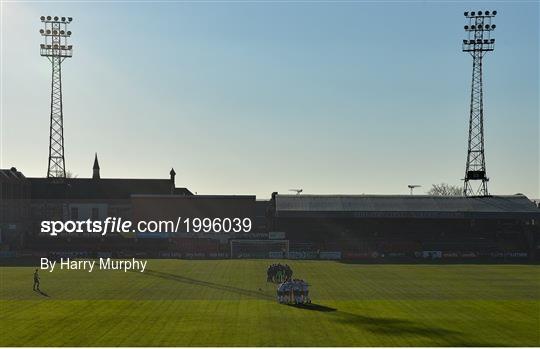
{"x": 403, "y": 205}
{"x": 11, "y": 175}
{"x": 199, "y": 196}
{"x": 105, "y": 188}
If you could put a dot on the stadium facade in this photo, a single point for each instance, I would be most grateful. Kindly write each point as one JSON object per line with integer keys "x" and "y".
{"x": 368, "y": 227}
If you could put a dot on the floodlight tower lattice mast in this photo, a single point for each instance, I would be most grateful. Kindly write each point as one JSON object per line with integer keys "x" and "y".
{"x": 55, "y": 47}
{"x": 478, "y": 43}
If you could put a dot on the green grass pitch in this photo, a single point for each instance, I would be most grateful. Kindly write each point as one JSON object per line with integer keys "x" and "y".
{"x": 229, "y": 303}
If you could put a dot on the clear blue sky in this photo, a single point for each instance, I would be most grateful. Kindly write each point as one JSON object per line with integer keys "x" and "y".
{"x": 250, "y": 98}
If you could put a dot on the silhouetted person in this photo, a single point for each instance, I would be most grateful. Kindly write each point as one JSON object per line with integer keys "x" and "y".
{"x": 36, "y": 281}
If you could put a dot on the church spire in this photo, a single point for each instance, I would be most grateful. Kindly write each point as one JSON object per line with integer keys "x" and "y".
{"x": 173, "y": 186}
{"x": 96, "y": 168}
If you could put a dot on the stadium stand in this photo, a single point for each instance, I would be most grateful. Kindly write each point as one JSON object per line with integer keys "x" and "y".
{"x": 367, "y": 225}
{"x": 302, "y": 226}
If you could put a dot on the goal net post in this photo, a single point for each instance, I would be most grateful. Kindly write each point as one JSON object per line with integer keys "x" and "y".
{"x": 244, "y": 248}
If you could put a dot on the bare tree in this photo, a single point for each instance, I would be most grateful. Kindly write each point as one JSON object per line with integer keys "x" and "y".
{"x": 70, "y": 174}
{"x": 445, "y": 189}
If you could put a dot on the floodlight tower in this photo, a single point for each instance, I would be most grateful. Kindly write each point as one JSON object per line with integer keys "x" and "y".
{"x": 55, "y": 47}
{"x": 479, "y": 42}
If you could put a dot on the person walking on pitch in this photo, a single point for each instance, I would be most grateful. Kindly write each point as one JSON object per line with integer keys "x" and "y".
{"x": 36, "y": 281}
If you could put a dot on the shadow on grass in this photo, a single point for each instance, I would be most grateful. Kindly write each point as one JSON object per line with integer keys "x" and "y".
{"x": 402, "y": 328}
{"x": 213, "y": 285}
{"x": 42, "y": 293}
{"x": 469, "y": 343}
{"x": 313, "y": 307}
{"x": 392, "y": 326}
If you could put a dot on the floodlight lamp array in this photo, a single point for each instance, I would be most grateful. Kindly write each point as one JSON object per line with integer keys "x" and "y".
{"x": 56, "y": 19}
